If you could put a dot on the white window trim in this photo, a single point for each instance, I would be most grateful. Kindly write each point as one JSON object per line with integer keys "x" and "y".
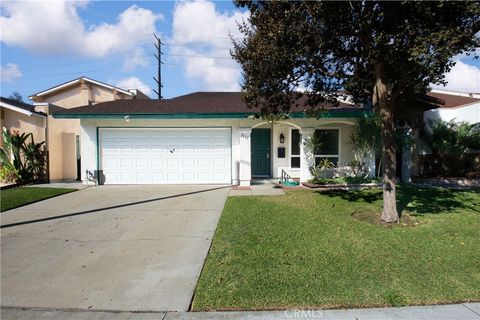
{"x": 339, "y": 156}
{"x": 290, "y": 150}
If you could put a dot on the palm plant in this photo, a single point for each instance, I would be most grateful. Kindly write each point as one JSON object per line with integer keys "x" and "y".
{"x": 8, "y": 171}
{"x": 21, "y": 159}
{"x": 366, "y": 137}
{"x": 451, "y": 138}
{"x": 450, "y": 142}
{"x": 34, "y": 160}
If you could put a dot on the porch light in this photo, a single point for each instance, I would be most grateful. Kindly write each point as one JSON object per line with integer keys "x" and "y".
{"x": 282, "y": 138}
{"x": 127, "y": 118}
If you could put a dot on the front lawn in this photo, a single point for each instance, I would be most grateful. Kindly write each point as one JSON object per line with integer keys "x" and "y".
{"x": 305, "y": 250}
{"x": 20, "y": 196}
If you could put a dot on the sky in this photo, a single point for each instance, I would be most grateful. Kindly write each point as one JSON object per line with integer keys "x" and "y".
{"x": 45, "y": 43}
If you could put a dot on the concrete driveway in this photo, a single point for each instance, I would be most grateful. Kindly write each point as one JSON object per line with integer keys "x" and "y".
{"x": 125, "y": 248}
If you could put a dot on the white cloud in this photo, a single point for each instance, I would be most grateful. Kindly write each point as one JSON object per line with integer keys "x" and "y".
{"x": 200, "y": 32}
{"x": 134, "y": 83}
{"x": 54, "y": 27}
{"x": 10, "y": 72}
{"x": 462, "y": 77}
{"x": 136, "y": 58}
{"x": 134, "y": 26}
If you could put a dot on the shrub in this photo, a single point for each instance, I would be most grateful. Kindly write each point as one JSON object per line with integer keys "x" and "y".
{"x": 450, "y": 144}
{"x": 21, "y": 160}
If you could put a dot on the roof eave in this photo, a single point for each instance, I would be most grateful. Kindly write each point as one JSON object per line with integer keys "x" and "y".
{"x": 78, "y": 80}
{"x": 21, "y": 110}
{"x": 230, "y": 115}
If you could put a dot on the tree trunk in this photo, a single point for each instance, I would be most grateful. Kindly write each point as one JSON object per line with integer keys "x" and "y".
{"x": 387, "y": 122}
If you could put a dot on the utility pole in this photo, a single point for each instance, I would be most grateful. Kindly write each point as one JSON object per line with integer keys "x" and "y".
{"x": 158, "y": 55}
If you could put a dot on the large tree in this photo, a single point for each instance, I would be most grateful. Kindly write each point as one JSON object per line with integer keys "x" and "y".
{"x": 377, "y": 50}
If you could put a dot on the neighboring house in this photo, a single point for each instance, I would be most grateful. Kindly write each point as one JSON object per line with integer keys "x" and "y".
{"x": 444, "y": 105}
{"x": 21, "y": 116}
{"x": 204, "y": 138}
{"x": 459, "y": 106}
{"x": 64, "y": 143}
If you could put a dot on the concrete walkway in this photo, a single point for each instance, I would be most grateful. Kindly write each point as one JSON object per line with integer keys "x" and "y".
{"x": 266, "y": 187}
{"x": 123, "y": 248}
{"x": 466, "y": 311}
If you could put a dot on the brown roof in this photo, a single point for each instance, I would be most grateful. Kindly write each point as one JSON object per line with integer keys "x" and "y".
{"x": 20, "y": 104}
{"x": 452, "y": 101}
{"x": 197, "y": 102}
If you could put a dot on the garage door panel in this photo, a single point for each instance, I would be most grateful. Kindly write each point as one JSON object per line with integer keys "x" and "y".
{"x": 158, "y": 163}
{"x": 175, "y": 156}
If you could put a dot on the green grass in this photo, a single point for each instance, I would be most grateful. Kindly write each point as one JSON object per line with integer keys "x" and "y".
{"x": 304, "y": 250}
{"x": 20, "y": 196}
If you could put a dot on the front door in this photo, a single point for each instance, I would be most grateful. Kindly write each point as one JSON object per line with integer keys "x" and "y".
{"x": 260, "y": 152}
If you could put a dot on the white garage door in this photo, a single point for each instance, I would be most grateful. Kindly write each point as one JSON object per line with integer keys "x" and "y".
{"x": 165, "y": 156}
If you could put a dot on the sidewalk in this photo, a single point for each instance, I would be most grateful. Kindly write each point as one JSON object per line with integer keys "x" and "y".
{"x": 62, "y": 184}
{"x": 466, "y": 311}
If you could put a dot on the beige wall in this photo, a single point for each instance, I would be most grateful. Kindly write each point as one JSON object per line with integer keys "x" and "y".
{"x": 80, "y": 94}
{"x": 58, "y": 152}
{"x": 69, "y": 156}
{"x": 23, "y": 123}
{"x": 62, "y": 150}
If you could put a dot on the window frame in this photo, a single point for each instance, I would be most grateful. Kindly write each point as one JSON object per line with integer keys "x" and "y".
{"x": 339, "y": 155}
{"x": 290, "y": 155}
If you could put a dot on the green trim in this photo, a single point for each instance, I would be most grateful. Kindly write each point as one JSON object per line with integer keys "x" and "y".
{"x": 155, "y": 116}
{"x": 232, "y": 115}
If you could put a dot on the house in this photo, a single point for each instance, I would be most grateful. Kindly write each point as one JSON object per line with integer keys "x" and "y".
{"x": 459, "y": 106}
{"x": 442, "y": 105}
{"x": 63, "y": 136}
{"x": 21, "y": 116}
{"x": 205, "y": 138}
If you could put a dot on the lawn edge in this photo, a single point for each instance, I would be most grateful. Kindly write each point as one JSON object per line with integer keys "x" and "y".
{"x": 190, "y": 305}
{"x": 341, "y": 306}
{"x": 57, "y": 195}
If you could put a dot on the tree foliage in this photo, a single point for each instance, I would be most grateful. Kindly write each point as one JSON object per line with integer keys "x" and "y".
{"x": 383, "y": 51}
{"x": 451, "y": 138}
{"x": 16, "y": 96}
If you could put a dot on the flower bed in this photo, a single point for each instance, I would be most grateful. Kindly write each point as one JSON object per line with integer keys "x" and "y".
{"x": 345, "y": 183}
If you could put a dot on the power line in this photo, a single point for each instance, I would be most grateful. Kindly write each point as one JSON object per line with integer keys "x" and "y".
{"x": 196, "y": 56}
{"x": 202, "y": 66}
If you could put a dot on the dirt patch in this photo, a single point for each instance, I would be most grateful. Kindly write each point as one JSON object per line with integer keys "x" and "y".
{"x": 374, "y": 218}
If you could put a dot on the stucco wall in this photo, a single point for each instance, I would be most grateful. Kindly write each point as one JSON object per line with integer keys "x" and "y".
{"x": 89, "y": 138}
{"x": 79, "y": 95}
{"x": 23, "y": 123}
{"x": 59, "y": 153}
{"x": 62, "y": 154}
{"x": 470, "y": 114}
{"x": 344, "y": 127}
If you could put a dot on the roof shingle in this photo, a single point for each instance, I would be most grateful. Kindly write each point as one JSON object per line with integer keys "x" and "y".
{"x": 197, "y": 102}
{"x": 452, "y": 101}
{"x": 20, "y": 104}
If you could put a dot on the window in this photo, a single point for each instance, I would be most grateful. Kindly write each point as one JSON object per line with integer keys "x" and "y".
{"x": 328, "y": 145}
{"x": 295, "y": 149}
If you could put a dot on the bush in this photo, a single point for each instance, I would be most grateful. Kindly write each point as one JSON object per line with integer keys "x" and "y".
{"x": 343, "y": 180}
{"x": 432, "y": 165}
{"x": 451, "y": 145}
{"x": 8, "y": 174}
{"x": 21, "y": 159}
